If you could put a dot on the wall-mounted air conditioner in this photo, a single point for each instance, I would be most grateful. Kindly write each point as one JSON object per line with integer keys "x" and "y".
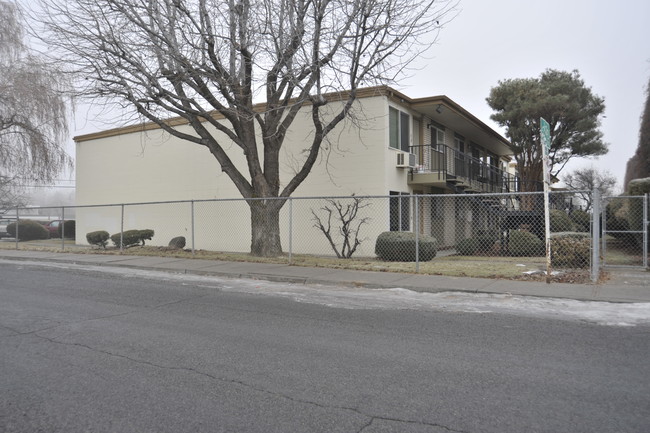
{"x": 405, "y": 160}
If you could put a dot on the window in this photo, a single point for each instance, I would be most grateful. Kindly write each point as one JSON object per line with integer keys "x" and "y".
{"x": 459, "y": 142}
{"x": 400, "y": 211}
{"x": 399, "y": 130}
{"x": 438, "y": 137}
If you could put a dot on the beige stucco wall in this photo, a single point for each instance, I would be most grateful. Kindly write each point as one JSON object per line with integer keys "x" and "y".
{"x": 154, "y": 166}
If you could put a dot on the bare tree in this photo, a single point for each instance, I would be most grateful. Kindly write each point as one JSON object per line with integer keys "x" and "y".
{"x": 33, "y": 111}
{"x": 585, "y": 180}
{"x": 206, "y": 61}
{"x": 349, "y": 228}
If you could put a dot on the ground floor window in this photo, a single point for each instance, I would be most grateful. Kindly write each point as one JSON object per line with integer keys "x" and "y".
{"x": 400, "y": 211}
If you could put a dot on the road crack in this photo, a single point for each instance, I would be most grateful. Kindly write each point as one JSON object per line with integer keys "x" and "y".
{"x": 371, "y": 417}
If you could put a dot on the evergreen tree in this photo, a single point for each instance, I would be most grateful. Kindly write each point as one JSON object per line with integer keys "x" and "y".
{"x": 562, "y": 99}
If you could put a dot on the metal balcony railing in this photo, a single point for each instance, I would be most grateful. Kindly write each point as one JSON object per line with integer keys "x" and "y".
{"x": 459, "y": 167}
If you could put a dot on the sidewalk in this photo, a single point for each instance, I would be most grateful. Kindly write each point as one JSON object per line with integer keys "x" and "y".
{"x": 623, "y": 286}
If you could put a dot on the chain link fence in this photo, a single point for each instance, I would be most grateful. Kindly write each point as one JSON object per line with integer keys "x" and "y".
{"x": 398, "y": 227}
{"x": 625, "y": 231}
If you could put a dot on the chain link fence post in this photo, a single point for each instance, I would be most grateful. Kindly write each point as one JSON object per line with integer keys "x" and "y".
{"x": 595, "y": 235}
{"x": 122, "y": 230}
{"x": 17, "y": 225}
{"x": 62, "y": 228}
{"x": 192, "y": 225}
{"x": 416, "y": 227}
{"x": 290, "y": 231}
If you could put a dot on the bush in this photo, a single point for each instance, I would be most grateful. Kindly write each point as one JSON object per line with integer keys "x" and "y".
{"x": 524, "y": 244}
{"x": 68, "y": 228}
{"x": 132, "y": 238}
{"x": 28, "y": 230}
{"x": 581, "y": 220}
{"x": 571, "y": 250}
{"x": 146, "y": 234}
{"x": 482, "y": 243}
{"x": 560, "y": 221}
{"x": 177, "y": 242}
{"x": 467, "y": 247}
{"x": 400, "y": 247}
{"x": 99, "y": 238}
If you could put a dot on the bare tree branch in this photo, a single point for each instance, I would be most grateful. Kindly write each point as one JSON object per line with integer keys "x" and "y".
{"x": 207, "y": 61}
{"x": 349, "y": 228}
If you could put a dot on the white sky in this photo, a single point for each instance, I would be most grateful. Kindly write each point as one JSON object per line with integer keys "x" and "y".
{"x": 607, "y": 42}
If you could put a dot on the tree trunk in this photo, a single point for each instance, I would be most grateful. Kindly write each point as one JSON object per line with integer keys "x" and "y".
{"x": 265, "y": 227}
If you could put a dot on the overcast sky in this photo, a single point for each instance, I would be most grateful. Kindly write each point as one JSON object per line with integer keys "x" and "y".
{"x": 607, "y": 42}
{"x": 488, "y": 41}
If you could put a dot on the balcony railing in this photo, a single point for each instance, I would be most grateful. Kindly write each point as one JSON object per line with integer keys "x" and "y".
{"x": 453, "y": 166}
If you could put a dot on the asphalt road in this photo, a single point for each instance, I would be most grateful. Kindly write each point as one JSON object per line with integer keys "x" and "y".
{"x": 96, "y": 352}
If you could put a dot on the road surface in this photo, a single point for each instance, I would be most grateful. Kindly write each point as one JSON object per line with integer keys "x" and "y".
{"x": 109, "y": 350}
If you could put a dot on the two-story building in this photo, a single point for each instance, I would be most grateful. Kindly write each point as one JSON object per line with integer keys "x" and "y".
{"x": 395, "y": 146}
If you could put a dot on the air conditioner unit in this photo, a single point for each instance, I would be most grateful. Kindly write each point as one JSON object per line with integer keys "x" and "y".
{"x": 405, "y": 160}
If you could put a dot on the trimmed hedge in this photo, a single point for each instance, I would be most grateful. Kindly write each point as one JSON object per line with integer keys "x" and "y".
{"x": 560, "y": 221}
{"x": 482, "y": 243}
{"x": 524, "y": 244}
{"x": 581, "y": 220}
{"x": 99, "y": 238}
{"x": 400, "y": 247}
{"x": 28, "y": 230}
{"x": 178, "y": 242}
{"x": 467, "y": 247}
{"x": 570, "y": 249}
{"x": 132, "y": 238}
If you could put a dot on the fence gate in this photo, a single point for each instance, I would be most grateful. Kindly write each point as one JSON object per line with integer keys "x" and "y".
{"x": 625, "y": 231}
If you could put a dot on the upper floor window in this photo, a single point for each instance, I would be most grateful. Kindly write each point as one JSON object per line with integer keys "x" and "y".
{"x": 459, "y": 142}
{"x": 437, "y": 137}
{"x": 399, "y": 130}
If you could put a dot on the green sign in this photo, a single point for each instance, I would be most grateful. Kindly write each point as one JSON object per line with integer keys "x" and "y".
{"x": 545, "y": 133}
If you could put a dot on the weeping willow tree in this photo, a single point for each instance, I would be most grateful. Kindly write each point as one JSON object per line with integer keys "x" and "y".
{"x": 205, "y": 61}
{"x": 33, "y": 112}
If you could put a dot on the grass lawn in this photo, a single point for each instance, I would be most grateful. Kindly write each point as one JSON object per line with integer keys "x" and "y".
{"x": 450, "y": 265}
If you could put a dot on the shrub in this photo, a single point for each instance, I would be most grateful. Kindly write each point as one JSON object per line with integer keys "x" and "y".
{"x": 467, "y": 247}
{"x": 400, "y": 247}
{"x": 68, "y": 228}
{"x": 570, "y": 249}
{"x": 146, "y": 234}
{"x": 482, "y": 243}
{"x": 131, "y": 238}
{"x": 581, "y": 220}
{"x": 28, "y": 230}
{"x": 524, "y": 244}
{"x": 177, "y": 242}
{"x": 99, "y": 238}
{"x": 617, "y": 217}
{"x": 560, "y": 221}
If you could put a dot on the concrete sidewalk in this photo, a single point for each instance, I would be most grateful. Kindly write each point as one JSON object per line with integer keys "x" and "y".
{"x": 623, "y": 286}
